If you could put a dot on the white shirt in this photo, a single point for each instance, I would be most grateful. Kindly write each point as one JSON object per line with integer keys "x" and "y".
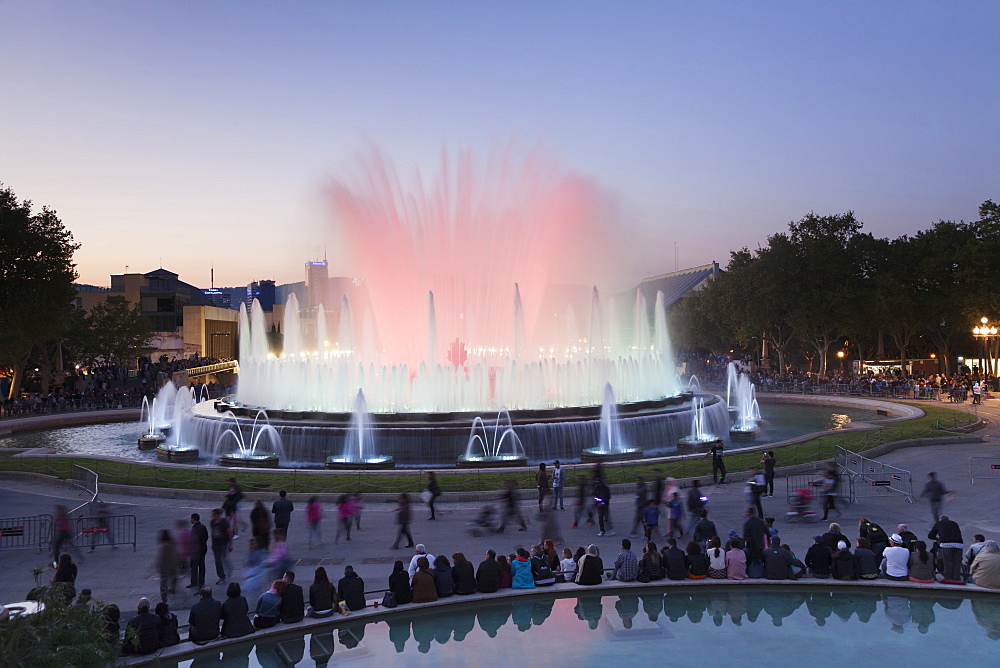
{"x": 413, "y": 563}
{"x": 896, "y": 561}
{"x": 557, "y": 477}
{"x": 568, "y": 567}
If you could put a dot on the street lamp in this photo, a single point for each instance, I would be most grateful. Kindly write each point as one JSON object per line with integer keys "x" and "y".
{"x": 985, "y": 331}
{"x": 840, "y": 358}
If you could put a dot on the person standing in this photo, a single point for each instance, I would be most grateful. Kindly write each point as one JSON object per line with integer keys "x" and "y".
{"x": 602, "y": 499}
{"x": 641, "y": 497}
{"x": 949, "y": 537}
{"x": 718, "y": 464}
{"x": 282, "y": 511}
{"x": 754, "y": 490}
{"x": 260, "y": 524}
{"x": 558, "y": 477}
{"x": 935, "y": 492}
{"x": 231, "y": 506}
{"x": 769, "y": 462}
{"x": 829, "y": 483}
{"x": 403, "y": 521}
{"x": 222, "y": 543}
{"x": 199, "y": 549}
{"x": 696, "y": 501}
{"x": 433, "y": 491}
{"x": 542, "y": 482}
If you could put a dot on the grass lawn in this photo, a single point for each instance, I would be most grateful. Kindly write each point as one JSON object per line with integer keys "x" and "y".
{"x": 931, "y": 424}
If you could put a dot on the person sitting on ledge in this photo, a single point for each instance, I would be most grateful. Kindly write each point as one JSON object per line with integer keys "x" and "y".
{"x": 204, "y": 618}
{"x": 736, "y": 560}
{"x": 818, "y": 559}
{"x": 921, "y": 564}
{"x": 843, "y": 564}
{"x": 674, "y": 561}
{"x": 235, "y": 614}
{"x": 169, "y": 635}
{"x": 626, "y": 565}
{"x": 868, "y": 564}
{"x": 591, "y": 568}
{"x": 463, "y": 574}
{"x": 269, "y": 606}
{"x": 424, "y": 589}
{"x": 323, "y": 597}
{"x": 146, "y": 625}
{"x": 351, "y": 589}
{"x": 488, "y": 574}
{"x": 778, "y": 562}
{"x": 293, "y": 606}
{"x": 442, "y": 576}
{"x": 697, "y": 562}
{"x": 895, "y": 559}
{"x": 520, "y": 569}
{"x": 399, "y": 584}
{"x": 986, "y": 566}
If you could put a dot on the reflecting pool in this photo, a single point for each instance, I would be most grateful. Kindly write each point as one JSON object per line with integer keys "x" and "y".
{"x": 751, "y": 625}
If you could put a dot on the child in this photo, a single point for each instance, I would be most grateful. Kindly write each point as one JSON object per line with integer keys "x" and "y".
{"x": 651, "y": 518}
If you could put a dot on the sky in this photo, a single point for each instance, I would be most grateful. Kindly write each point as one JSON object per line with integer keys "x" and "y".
{"x": 192, "y": 134}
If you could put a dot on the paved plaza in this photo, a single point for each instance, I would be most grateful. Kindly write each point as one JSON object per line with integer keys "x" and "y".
{"x": 121, "y": 575}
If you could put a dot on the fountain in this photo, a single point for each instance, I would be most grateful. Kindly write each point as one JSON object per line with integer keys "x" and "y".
{"x": 611, "y": 446}
{"x": 503, "y": 449}
{"x": 244, "y": 454}
{"x": 747, "y": 411}
{"x": 177, "y": 448}
{"x": 732, "y": 383}
{"x": 700, "y": 438}
{"x": 158, "y": 415}
{"x": 359, "y": 446}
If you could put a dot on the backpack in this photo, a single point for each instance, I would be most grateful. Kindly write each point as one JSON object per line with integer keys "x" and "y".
{"x": 541, "y": 572}
{"x": 876, "y": 534}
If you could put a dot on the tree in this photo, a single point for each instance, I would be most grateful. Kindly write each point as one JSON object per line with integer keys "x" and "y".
{"x": 36, "y": 281}
{"x": 114, "y": 333}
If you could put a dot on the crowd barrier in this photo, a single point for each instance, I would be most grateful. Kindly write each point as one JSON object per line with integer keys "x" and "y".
{"x": 872, "y": 478}
{"x": 984, "y": 468}
{"x": 18, "y": 533}
{"x": 93, "y": 532}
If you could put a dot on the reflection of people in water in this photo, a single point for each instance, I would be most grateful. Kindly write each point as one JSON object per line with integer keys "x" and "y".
{"x": 987, "y": 614}
{"x": 399, "y": 631}
{"x": 820, "y": 606}
{"x": 237, "y": 656}
{"x": 696, "y": 607}
{"x": 423, "y": 632}
{"x": 922, "y": 612}
{"x": 736, "y": 603}
{"x": 351, "y": 635}
{"x": 321, "y": 648}
{"x": 627, "y": 607}
{"x": 464, "y": 622}
{"x": 717, "y": 606}
{"x": 521, "y": 615}
{"x": 493, "y": 617}
{"x": 541, "y": 610}
{"x": 294, "y": 649}
{"x": 652, "y": 605}
{"x": 897, "y": 611}
{"x": 589, "y": 609}
{"x": 675, "y": 606}
{"x": 442, "y": 629}
{"x": 781, "y": 606}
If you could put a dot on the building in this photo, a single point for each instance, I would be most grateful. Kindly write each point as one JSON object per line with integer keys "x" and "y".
{"x": 264, "y": 292}
{"x": 317, "y": 285}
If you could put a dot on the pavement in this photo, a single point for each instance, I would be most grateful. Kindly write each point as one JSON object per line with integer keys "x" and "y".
{"x": 122, "y": 575}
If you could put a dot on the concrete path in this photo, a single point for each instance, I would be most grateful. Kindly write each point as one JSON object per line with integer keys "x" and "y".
{"x": 121, "y": 575}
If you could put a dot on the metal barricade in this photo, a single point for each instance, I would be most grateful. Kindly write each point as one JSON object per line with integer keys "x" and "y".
{"x": 18, "y": 533}
{"x": 872, "y": 478}
{"x": 984, "y": 468}
{"x": 93, "y": 532}
{"x": 813, "y": 481}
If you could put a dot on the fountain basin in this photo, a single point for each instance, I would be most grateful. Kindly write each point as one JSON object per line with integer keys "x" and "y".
{"x": 175, "y": 453}
{"x": 151, "y": 441}
{"x": 737, "y": 433}
{"x": 479, "y": 462}
{"x": 594, "y": 455}
{"x": 266, "y": 461}
{"x": 372, "y": 463}
{"x": 689, "y": 444}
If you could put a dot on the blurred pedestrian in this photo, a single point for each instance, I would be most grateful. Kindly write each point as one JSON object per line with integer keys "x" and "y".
{"x": 282, "y": 511}
{"x": 432, "y": 492}
{"x": 345, "y": 515}
{"x": 314, "y": 514}
{"x": 166, "y": 564}
{"x": 231, "y": 506}
{"x": 403, "y": 521}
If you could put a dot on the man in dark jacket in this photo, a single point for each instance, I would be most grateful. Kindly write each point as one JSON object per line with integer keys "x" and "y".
{"x": 818, "y": 558}
{"x": 146, "y": 627}
{"x": 282, "y": 511}
{"x": 778, "y": 562}
{"x": 204, "y": 618}
{"x": 674, "y": 562}
{"x": 488, "y": 574}
{"x": 293, "y": 606}
{"x": 199, "y": 548}
{"x": 351, "y": 589}
{"x": 949, "y": 537}
{"x": 704, "y": 529}
{"x": 754, "y": 532}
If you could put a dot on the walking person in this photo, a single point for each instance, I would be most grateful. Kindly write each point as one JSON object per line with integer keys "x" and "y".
{"x": 769, "y": 462}
{"x": 828, "y": 485}
{"x": 357, "y": 504}
{"x": 675, "y": 519}
{"x": 558, "y": 476}
{"x": 510, "y": 507}
{"x": 542, "y": 482}
{"x": 61, "y": 532}
{"x": 102, "y": 526}
{"x": 282, "y": 511}
{"x": 199, "y": 549}
{"x": 403, "y": 521}
{"x": 602, "y": 499}
{"x": 222, "y": 544}
{"x": 718, "y": 464}
{"x": 260, "y": 524}
{"x": 696, "y": 501}
{"x": 344, "y": 516}
{"x": 432, "y": 492}
{"x": 934, "y": 491}
{"x": 582, "y": 503}
{"x": 754, "y": 490}
{"x": 641, "y": 496}
{"x": 314, "y": 514}
{"x": 231, "y": 506}
{"x": 166, "y": 564}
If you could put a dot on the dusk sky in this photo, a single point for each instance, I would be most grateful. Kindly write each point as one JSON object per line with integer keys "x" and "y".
{"x": 200, "y": 133}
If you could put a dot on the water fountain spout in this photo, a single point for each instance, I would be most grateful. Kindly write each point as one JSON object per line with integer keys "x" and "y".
{"x": 502, "y": 447}
{"x": 359, "y": 445}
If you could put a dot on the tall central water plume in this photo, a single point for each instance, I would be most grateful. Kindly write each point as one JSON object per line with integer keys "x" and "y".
{"x": 470, "y": 292}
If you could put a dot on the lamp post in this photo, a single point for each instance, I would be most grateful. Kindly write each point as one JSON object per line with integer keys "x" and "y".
{"x": 985, "y": 332}
{"x": 840, "y": 358}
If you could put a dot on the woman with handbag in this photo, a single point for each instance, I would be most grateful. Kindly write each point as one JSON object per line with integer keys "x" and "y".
{"x": 399, "y": 585}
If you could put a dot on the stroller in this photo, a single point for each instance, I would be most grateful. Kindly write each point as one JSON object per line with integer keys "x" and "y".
{"x": 800, "y": 509}
{"x": 483, "y": 523}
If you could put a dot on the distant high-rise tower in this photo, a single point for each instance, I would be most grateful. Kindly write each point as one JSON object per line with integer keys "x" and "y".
{"x": 317, "y": 284}
{"x": 262, "y": 291}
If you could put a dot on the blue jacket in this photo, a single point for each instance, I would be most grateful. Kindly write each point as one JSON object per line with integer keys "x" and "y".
{"x": 521, "y": 577}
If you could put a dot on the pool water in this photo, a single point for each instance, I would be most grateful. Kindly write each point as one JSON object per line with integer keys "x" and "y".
{"x": 745, "y": 625}
{"x": 781, "y": 421}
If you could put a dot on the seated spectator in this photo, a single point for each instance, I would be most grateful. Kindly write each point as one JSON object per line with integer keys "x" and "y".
{"x": 323, "y": 597}
{"x": 674, "y": 561}
{"x": 204, "y": 618}
{"x": 736, "y": 560}
{"x": 506, "y": 577}
{"x": 351, "y": 589}
{"x": 590, "y": 568}
{"x": 895, "y": 559}
{"x": 541, "y": 571}
{"x": 269, "y": 606}
{"x": 843, "y": 564}
{"x": 818, "y": 559}
{"x": 974, "y": 549}
{"x": 488, "y": 574}
{"x": 443, "y": 580}
{"x": 909, "y": 538}
{"x": 716, "y": 559}
{"x": 986, "y": 566}
{"x": 696, "y": 561}
{"x": 778, "y": 562}
{"x": 833, "y": 536}
{"x": 868, "y": 564}
{"x": 64, "y": 578}
{"x": 112, "y": 624}
{"x": 169, "y": 635}
{"x": 235, "y": 613}
{"x": 520, "y": 569}
{"x": 142, "y": 633}
{"x": 921, "y": 564}
{"x": 422, "y": 583}
{"x": 293, "y": 605}
{"x": 626, "y": 564}
{"x": 463, "y": 575}
{"x": 650, "y": 566}
{"x": 399, "y": 584}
